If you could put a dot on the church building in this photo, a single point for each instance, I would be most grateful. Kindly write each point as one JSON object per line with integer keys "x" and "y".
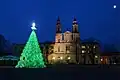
{"x": 66, "y": 48}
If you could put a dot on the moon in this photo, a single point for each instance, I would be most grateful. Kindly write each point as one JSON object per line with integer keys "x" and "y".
{"x": 114, "y": 6}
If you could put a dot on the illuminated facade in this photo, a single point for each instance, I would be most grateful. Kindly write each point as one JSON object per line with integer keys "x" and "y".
{"x": 68, "y": 48}
{"x": 65, "y": 45}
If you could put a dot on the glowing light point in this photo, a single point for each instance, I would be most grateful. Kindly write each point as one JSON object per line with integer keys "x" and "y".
{"x": 69, "y": 58}
{"x": 61, "y": 58}
{"x": 96, "y": 56}
{"x": 114, "y": 6}
{"x": 53, "y": 58}
{"x": 33, "y": 26}
{"x": 101, "y": 59}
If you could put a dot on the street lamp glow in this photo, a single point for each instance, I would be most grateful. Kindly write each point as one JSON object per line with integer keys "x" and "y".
{"x": 61, "y": 58}
{"x": 101, "y": 59}
{"x": 68, "y": 57}
{"x": 53, "y": 58}
{"x": 96, "y": 56}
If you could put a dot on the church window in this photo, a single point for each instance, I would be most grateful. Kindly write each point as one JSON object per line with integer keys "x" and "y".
{"x": 75, "y": 29}
{"x": 67, "y": 47}
{"x": 58, "y": 40}
{"x": 62, "y": 36}
{"x": 58, "y": 57}
{"x": 83, "y": 46}
{"x": 72, "y": 36}
{"x": 58, "y": 48}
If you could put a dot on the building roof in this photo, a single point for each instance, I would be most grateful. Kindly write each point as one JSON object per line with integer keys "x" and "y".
{"x": 67, "y": 32}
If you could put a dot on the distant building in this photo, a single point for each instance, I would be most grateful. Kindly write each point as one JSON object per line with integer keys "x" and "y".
{"x": 8, "y": 60}
{"x": 90, "y": 52}
{"x": 110, "y": 58}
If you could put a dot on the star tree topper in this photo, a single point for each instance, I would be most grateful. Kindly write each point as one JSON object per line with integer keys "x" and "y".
{"x": 33, "y": 26}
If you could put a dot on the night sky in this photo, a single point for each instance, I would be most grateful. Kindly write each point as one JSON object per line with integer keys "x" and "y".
{"x": 97, "y": 19}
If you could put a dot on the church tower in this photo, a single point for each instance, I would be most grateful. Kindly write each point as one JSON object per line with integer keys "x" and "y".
{"x": 75, "y": 26}
{"x": 75, "y": 31}
{"x": 58, "y": 26}
{"x": 76, "y": 39}
{"x": 58, "y": 37}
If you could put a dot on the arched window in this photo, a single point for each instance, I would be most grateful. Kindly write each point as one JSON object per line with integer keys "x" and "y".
{"x": 62, "y": 36}
{"x": 67, "y": 47}
{"x": 58, "y": 48}
{"x": 58, "y": 40}
{"x": 72, "y": 36}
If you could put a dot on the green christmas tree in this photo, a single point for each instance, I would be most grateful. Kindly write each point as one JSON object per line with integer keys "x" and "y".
{"x": 31, "y": 56}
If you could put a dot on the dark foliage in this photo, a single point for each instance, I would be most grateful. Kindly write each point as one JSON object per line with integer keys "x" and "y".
{"x": 5, "y": 46}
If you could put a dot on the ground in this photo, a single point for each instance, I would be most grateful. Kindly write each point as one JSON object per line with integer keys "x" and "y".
{"x": 74, "y": 66}
{"x": 65, "y": 72}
